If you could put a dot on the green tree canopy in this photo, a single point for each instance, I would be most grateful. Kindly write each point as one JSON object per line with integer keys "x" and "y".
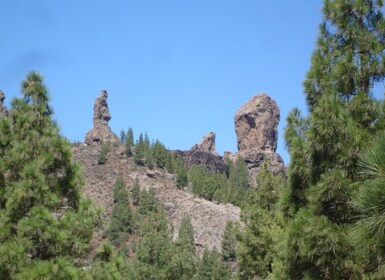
{"x": 45, "y": 220}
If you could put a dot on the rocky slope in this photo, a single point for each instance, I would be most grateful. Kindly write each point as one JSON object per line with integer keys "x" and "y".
{"x": 256, "y": 128}
{"x": 208, "y": 218}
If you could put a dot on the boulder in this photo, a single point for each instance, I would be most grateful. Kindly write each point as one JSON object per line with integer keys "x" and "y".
{"x": 101, "y": 132}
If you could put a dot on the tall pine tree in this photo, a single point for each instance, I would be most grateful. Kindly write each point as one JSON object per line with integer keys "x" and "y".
{"x": 344, "y": 117}
{"x": 45, "y": 220}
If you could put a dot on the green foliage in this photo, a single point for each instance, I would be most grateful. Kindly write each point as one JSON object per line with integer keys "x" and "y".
{"x": 186, "y": 234}
{"x": 147, "y": 202}
{"x": 170, "y": 162}
{"x": 102, "y": 157}
{"x": 160, "y": 154}
{"x": 129, "y": 142}
{"x": 135, "y": 193}
{"x": 149, "y": 159}
{"x": 154, "y": 251}
{"x": 45, "y": 221}
{"x": 123, "y": 136}
{"x": 258, "y": 243}
{"x": 212, "y": 267}
{"x": 121, "y": 218}
{"x": 204, "y": 182}
{"x": 368, "y": 233}
{"x": 181, "y": 175}
{"x": 140, "y": 151}
{"x": 230, "y": 241}
{"x": 183, "y": 263}
{"x": 325, "y": 147}
{"x": 107, "y": 265}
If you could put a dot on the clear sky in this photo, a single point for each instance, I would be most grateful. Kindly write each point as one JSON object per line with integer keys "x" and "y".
{"x": 176, "y": 69}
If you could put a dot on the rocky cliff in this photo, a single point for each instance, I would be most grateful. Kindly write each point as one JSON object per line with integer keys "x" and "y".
{"x": 257, "y": 136}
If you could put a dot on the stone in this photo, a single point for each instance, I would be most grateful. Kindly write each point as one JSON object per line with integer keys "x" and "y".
{"x": 211, "y": 161}
{"x": 3, "y": 109}
{"x": 101, "y": 132}
{"x": 207, "y": 144}
{"x": 256, "y": 124}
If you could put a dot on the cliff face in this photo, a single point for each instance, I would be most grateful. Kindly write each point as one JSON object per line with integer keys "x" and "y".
{"x": 256, "y": 125}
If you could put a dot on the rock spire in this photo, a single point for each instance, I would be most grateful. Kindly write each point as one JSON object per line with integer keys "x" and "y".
{"x": 257, "y": 136}
{"x": 101, "y": 132}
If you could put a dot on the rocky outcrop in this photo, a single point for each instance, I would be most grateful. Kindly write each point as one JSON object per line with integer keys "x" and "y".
{"x": 256, "y": 124}
{"x": 3, "y": 109}
{"x": 256, "y": 129}
{"x": 204, "y": 154}
{"x": 196, "y": 157}
{"x": 101, "y": 132}
{"x": 207, "y": 144}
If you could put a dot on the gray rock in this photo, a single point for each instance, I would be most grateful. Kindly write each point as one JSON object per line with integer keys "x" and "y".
{"x": 207, "y": 144}
{"x": 101, "y": 132}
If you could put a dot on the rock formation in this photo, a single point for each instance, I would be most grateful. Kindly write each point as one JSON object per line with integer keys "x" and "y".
{"x": 204, "y": 154}
{"x": 3, "y": 109}
{"x": 256, "y": 129}
{"x": 256, "y": 124}
{"x": 207, "y": 144}
{"x": 196, "y": 157}
{"x": 101, "y": 132}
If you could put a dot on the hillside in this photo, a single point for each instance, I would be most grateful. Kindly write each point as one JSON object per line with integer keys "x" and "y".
{"x": 256, "y": 126}
{"x": 208, "y": 218}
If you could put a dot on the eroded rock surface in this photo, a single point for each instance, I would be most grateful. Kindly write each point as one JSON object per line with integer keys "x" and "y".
{"x": 207, "y": 144}
{"x": 3, "y": 109}
{"x": 256, "y": 124}
{"x": 257, "y": 135}
{"x": 101, "y": 132}
{"x": 196, "y": 157}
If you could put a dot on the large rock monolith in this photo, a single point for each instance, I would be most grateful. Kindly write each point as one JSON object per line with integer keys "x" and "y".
{"x": 101, "y": 132}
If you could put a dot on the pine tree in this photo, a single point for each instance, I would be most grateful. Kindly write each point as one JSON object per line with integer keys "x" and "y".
{"x": 257, "y": 243}
{"x": 230, "y": 241}
{"x": 160, "y": 154}
{"x": 121, "y": 218}
{"x": 140, "y": 151}
{"x": 212, "y": 267}
{"x": 181, "y": 175}
{"x": 344, "y": 117}
{"x": 154, "y": 252}
{"x": 170, "y": 162}
{"x": 129, "y": 142}
{"x": 123, "y": 136}
{"x": 45, "y": 220}
{"x": 135, "y": 194}
{"x": 369, "y": 201}
{"x": 183, "y": 264}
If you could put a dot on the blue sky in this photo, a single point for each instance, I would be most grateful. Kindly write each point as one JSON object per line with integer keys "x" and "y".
{"x": 176, "y": 69}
